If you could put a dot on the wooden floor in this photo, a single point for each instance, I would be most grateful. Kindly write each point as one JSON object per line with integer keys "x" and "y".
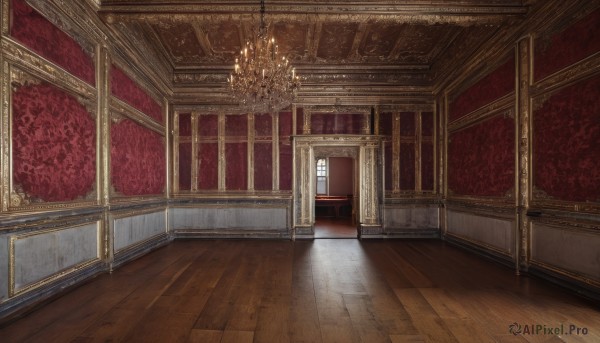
{"x": 326, "y": 290}
{"x": 335, "y": 227}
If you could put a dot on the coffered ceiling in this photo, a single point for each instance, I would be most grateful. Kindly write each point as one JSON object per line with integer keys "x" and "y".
{"x": 338, "y": 47}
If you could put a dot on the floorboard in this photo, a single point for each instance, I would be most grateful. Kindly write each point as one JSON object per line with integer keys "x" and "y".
{"x": 326, "y": 290}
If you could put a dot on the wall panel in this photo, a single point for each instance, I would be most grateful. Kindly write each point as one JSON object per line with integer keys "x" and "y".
{"x": 567, "y": 249}
{"x": 493, "y": 233}
{"x": 130, "y": 230}
{"x": 42, "y": 256}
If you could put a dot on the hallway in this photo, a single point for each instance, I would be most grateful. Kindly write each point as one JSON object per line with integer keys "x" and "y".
{"x": 326, "y": 290}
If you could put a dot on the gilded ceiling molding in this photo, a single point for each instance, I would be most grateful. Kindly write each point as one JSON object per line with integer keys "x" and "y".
{"x": 569, "y": 75}
{"x": 62, "y": 14}
{"x": 32, "y": 63}
{"x": 20, "y": 78}
{"x": 504, "y": 106}
{"x": 358, "y": 12}
{"x": 336, "y": 109}
{"x": 121, "y": 110}
{"x": 134, "y": 45}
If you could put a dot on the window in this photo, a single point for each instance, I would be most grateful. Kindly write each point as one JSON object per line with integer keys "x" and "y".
{"x": 322, "y": 176}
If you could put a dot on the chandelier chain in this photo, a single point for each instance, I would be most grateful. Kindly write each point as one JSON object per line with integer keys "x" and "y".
{"x": 263, "y": 81}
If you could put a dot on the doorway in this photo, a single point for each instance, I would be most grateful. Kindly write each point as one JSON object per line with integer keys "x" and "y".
{"x": 365, "y": 150}
{"x": 335, "y": 189}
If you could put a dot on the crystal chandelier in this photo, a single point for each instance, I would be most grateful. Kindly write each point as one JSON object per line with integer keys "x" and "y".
{"x": 263, "y": 81}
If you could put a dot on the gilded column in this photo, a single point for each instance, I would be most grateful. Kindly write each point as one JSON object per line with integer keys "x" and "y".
{"x": 4, "y": 132}
{"x": 168, "y": 145}
{"x": 523, "y": 121}
{"x": 103, "y": 120}
{"x": 294, "y": 120}
{"x": 306, "y": 124}
{"x": 250, "y": 153}
{"x": 275, "y": 157}
{"x": 418, "y": 157}
{"x": 103, "y": 127}
{"x": 175, "y": 148}
{"x": 221, "y": 147}
{"x": 195, "y": 140}
{"x": 396, "y": 153}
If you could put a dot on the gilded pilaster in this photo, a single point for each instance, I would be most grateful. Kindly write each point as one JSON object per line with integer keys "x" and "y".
{"x": 4, "y": 16}
{"x": 523, "y": 174}
{"x": 168, "y": 144}
{"x": 294, "y": 120}
{"x": 175, "y": 148}
{"x": 396, "y": 153}
{"x": 5, "y": 132}
{"x": 443, "y": 162}
{"x": 367, "y": 124}
{"x": 195, "y": 140}
{"x": 418, "y": 157}
{"x": 221, "y": 147}
{"x": 250, "y": 154}
{"x": 275, "y": 157}
{"x": 103, "y": 121}
{"x": 306, "y": 124}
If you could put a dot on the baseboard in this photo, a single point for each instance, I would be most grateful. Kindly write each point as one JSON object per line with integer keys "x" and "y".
{"x": 582, "y": 289}
{"x": 139, "y": 250}
{"x": 231, "y": 234}
{"x": 432, "y": 233}
{"x": 19, "y": 306}
{"x": 481, "y": 251}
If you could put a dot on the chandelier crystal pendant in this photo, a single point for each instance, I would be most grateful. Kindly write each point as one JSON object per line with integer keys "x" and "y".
{"x": 262, "y": 80}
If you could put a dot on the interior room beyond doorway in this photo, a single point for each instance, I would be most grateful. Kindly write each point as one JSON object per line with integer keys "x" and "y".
{"x": 334, "y": 201}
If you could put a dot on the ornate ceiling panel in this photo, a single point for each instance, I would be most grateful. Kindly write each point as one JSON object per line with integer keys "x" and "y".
{"x": 371, "y": 43}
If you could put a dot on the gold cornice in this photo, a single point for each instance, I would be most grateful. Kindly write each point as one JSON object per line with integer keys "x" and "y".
{"x": 567, "y": 76}
{"x": 30, "y": 62}
{"x": 130, "y": 49}
{"x": 314, "y": 12}
{"x": 504, "y": 106}
{"x": 120, "y": 108}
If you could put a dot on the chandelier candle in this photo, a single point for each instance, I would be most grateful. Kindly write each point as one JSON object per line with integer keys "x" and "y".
{"x": 261, "y": 81}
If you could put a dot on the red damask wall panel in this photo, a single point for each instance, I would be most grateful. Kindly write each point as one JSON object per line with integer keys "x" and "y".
{"x": 54, "y": 144}
{"x": 263, "y": 125}
{"x": 137, "y": 159}
{"x": 427, "y": 123}
{"x": 299, "y": 121}
{"x": 567, "y": 47}
{"x": 236, "y": 126}
{"x": 185, "y": 166}
{"x": 407, "y": 166}
{"x": 407, "y": 124}
{"x": 285, "y": 124}
{"x": 386, "y": 124}
{"x": 285, "y": 151}
{"x": 566, "y": 143}
{"x": 237, "y": 166}
{"x": 208, "y": 168}
{"x": 337, "y": 123}
{"x": 208, "y": 125}
{"x": 36, "y": 32}
{"x": 124, "y": 88}
{"x": 185, "y": 124}
{"x": 495, "y": 85}
{"x": 481, "y": 158}
{"x": 263, "y": 166}
{"x": 427, "y": 166}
